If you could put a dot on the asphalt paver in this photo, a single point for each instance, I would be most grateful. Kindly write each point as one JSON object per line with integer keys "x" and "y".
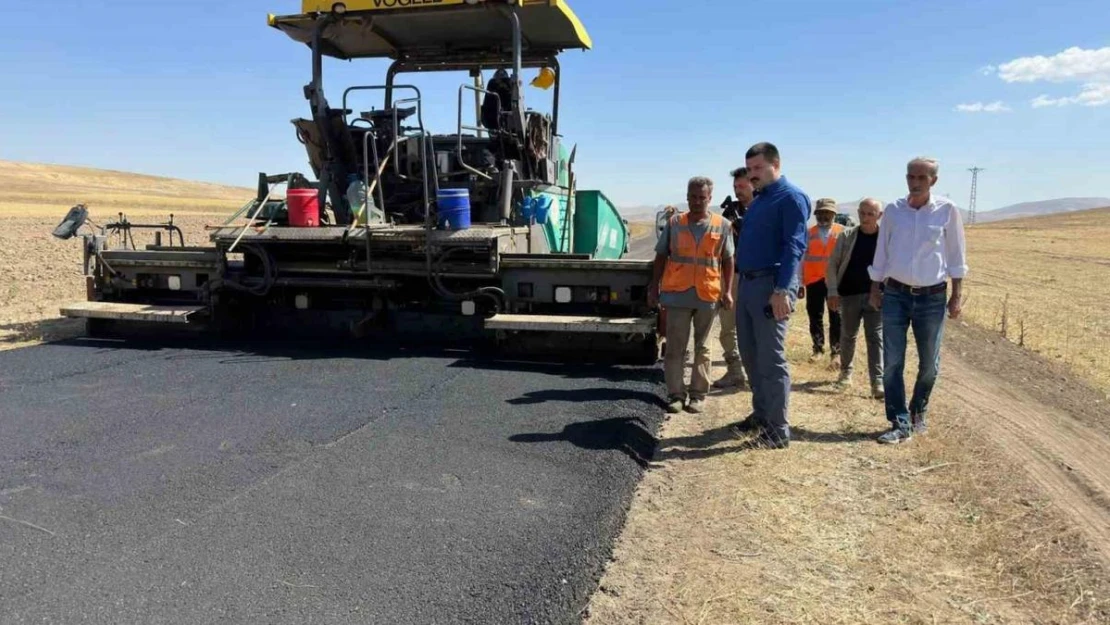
{"x": 188, "y": 482}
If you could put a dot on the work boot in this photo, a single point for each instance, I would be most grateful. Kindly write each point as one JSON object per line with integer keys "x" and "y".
{"x": 732, "y": 379}
{"x": 834, "y": 361}
{"x": 696, "y": 405}
{"x": 877, "y": 390}
{"x": 675, "y": 404}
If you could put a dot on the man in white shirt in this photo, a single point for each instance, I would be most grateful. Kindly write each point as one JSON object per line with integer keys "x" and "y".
{"x": 921, "y": 246}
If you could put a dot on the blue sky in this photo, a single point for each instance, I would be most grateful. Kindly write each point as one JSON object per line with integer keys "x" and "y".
{"x": 848, "y": 90}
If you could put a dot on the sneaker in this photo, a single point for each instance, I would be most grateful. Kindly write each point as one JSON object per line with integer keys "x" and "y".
{"x": 895, "y": 436}
{"x": 674, "y": 405}
{"x": 750, "y": 424}
{"x": 919, "y": 425}
{"x": 696, "y": 405}
{"x": 845, "y": 379}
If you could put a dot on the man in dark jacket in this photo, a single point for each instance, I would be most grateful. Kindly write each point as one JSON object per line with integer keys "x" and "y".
{"x": 733, "y": 211}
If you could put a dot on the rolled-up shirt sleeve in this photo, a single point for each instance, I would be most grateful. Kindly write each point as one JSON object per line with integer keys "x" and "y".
{"x": 877, "y": 269}
{"x": 955, "y": 245}
{"x": 795, "y": 212}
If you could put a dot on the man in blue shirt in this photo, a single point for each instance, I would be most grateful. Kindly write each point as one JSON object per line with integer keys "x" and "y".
{"x": 770, "y": 249}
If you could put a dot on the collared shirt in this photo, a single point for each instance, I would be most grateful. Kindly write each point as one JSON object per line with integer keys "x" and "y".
{"x": 920, "y": 247}
{"x": 774, "y": 233}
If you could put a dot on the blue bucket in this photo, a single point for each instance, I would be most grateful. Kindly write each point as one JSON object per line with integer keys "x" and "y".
{"x": 453, "y": 208}
{"x": 537, "y": 206}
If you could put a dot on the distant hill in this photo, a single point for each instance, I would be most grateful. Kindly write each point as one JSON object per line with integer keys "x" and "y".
{"x": 34, "y": 187}
{"x": 1043, "y": 207}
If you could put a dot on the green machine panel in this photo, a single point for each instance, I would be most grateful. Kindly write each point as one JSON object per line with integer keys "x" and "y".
{"x": 599, "y": 229}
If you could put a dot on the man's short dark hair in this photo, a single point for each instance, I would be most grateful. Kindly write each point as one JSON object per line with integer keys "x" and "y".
{"x": 740, "y": 172}
{"x": 767, "y": 150}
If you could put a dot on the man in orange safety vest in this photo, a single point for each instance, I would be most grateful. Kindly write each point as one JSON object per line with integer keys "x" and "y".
{"x": 693, "y": 262}
{"x": 822, "y": 241}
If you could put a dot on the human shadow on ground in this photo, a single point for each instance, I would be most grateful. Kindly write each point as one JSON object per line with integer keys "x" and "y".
{"x": 816, "y": 387}
{"x": 707, "y": 444}
{"x": 583, "y": 395}
{"x": 629, "y": 435}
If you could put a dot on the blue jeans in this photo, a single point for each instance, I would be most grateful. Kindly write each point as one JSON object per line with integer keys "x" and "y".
{"x": 925, "y": 314}
{"x": 762, "y": 343}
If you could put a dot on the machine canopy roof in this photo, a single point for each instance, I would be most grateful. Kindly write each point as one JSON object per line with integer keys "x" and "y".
{"x": 437, "y": 30}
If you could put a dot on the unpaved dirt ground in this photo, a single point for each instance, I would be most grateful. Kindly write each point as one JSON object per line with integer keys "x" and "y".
{"x": 971, "y": 523}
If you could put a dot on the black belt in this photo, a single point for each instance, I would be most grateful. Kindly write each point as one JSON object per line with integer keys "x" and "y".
{"x": 758, "y": 273}
{"x": 902, "y": 287}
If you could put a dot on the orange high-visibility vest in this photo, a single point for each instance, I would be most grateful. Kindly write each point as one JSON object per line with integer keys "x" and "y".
{"x": 817, "y": 254}
{"x": 695, "y": 264}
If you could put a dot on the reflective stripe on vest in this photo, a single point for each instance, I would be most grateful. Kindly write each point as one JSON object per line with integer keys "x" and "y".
{"x": 816, "y": 259}
{"x": 695, "y": 263}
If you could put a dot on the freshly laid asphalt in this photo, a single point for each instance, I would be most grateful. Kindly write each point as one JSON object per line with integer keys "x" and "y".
{"x": 202, "y": 483}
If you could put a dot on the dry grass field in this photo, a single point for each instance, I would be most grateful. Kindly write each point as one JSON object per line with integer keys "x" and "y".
{"x": 949, "y": 528}
{"x": 1038, "y": 282}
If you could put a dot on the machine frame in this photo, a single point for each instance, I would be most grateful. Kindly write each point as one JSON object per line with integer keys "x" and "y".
{"x": 498, "y": 280}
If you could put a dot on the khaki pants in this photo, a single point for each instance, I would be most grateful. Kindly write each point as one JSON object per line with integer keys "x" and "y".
{"x": 728, "y": 336}
{"x": 679, "y": 322}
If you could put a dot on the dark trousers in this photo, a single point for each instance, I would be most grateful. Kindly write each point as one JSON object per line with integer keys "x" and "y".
{"x": 816, "y": 302}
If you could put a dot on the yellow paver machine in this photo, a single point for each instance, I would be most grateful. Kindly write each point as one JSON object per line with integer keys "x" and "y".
{"x": 479, "y": 233}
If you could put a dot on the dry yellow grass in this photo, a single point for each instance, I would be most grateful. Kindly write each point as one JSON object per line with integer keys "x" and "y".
{"x": 839, "y": 529}
{"x": 640, "y": 228}
{"x": 33, "y": 190}
{"x": 1040, "y": 281}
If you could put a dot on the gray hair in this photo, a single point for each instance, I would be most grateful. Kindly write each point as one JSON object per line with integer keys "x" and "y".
{"x": 931, "y": 163}
{"x": 699, "y": 182}
{"x": 870, "y": 200}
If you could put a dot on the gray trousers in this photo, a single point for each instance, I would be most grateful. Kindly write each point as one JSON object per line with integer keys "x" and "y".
{"x": 853, "y": 309}
{"x": 762, "y": 342}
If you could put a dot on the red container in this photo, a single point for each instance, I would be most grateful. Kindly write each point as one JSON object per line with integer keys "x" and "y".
{"x": 304, "y": 207}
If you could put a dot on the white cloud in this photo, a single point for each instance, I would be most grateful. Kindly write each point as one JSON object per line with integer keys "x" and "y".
{"x": 1071, "y": 65}
{"x": 982, "y": 107}
{"x": 988, "y": 70}
{"x": 1092, "y": 94}
{"x": 1077, "y": 65}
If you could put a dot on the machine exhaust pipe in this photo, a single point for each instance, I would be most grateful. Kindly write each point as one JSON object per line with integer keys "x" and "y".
{"x": 506, "y": 197}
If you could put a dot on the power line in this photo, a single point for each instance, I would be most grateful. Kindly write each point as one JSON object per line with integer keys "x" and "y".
{"x": 974, "y": 188}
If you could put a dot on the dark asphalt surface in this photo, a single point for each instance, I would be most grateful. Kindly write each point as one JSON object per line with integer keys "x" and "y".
{"x": 201, "y": 483}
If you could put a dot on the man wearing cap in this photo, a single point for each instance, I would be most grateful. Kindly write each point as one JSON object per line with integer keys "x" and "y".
{"x": 693, "y": 262}
{"x": 820, "y": 244}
